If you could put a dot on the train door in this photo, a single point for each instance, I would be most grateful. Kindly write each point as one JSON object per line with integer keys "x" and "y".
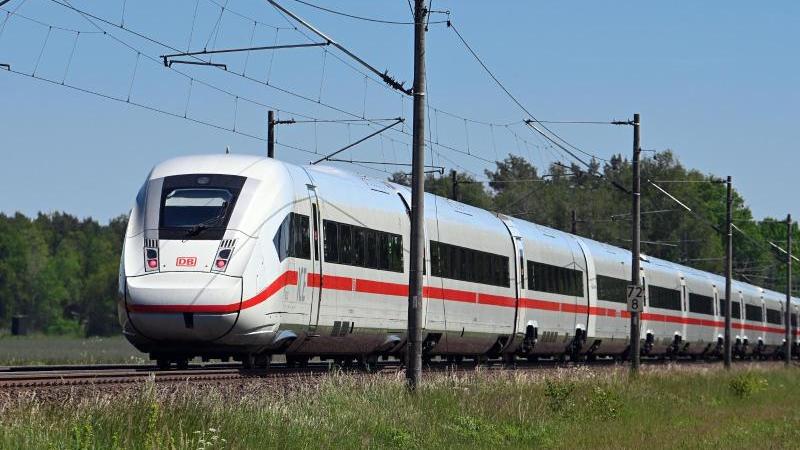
{"x": 681, "y": 327}
{"x": 433, "y": 317}
{"x": 519, "y": 325}
{"x": 579, "y": 300}
{"x": 589, "y": 326}
{"x": 313, "y": 278}
{"x": 644, "y": 323}
{"x": 717, "y": 331}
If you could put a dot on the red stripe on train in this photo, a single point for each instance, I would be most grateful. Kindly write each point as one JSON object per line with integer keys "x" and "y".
{"x": 285, "y": 279}
{"x": 334, "y": 282}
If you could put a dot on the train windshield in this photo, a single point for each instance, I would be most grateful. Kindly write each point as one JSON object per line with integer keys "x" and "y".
{"x": 195, "y": 207}
{"x": 198, "y": 206}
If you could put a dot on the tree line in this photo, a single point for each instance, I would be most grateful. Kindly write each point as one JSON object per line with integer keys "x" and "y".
{"x": 62, "y": 272}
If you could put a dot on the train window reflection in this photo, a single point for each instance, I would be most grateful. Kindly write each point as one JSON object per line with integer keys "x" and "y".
{"x": 362, "y": 247}
{"x": 192, "y": 207}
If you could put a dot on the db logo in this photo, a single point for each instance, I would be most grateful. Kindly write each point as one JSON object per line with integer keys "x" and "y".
{"x": 186, "y": 261}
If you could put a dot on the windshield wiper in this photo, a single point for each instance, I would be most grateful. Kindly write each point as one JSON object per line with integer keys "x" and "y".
{"x": 200, "y": 227}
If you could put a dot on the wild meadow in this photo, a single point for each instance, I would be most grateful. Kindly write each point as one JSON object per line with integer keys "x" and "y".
{"x": 665, "y": 407}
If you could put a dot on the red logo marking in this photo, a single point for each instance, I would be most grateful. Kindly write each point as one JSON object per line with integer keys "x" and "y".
{"x": 186, "y": 261}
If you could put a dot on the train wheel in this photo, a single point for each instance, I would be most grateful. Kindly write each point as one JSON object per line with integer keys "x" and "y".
{"x": 163, "y": 363}
{"x": 182, "y": 363}
{"x": 248, "y": 361}
{"x": 369, "y": 363}
{"x": 262, "y": 361}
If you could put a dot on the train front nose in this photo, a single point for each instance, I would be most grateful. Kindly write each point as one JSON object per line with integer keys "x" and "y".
{"x": 193, "y": 256}
{"x": 183, "y": 306}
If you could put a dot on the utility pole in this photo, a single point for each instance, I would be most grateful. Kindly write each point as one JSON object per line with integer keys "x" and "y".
{"x": 414, "y": 345}
{"x": 271, "y": 122}
{"x": 636, "y": 212}
{"x": 270, "y": 134}
{"x": 728, "y": 271}
{"x": 788, "y": 351}
{"x": 454, "y": 179}
{"x": 574, "y": 227}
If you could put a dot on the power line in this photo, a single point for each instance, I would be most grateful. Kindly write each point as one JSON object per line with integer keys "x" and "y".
{"x": 267, "y": 84}
{"x": 56, "y": 27}
{"x": 520, "y": 105}
{"x": 287, "y": 91}
{"x": 246, "y": 17}
{"x": 163, "y": 111}
{"x": 342, "y": 120}
{"x": 382, "y": 75}
{"x": 353, "y": 16}
{"x": 134, "y": 103}
{"x": 577, "y": 122}
{"x": 684, "y": 206}
{"x": 88, "y": 15}
{"x": 353, "y": 144}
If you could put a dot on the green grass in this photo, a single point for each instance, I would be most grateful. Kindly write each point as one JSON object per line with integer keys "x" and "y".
{"x": 568, "y": 408}
{"x": 46, "y": 350}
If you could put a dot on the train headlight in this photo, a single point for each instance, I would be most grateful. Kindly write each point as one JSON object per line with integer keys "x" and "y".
{"x": 223, "y": 256}
{"x": 151, "y": 256}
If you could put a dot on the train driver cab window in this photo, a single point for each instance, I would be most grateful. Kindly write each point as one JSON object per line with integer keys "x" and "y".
{"x": 191, "y": 207}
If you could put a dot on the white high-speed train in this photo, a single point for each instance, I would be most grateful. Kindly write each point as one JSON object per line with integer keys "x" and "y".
{"x": 243, "y": 257}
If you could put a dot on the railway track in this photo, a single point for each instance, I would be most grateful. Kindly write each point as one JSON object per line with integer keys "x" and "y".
{"x": 109, "y": 374}
{"x": 44, "y": 376}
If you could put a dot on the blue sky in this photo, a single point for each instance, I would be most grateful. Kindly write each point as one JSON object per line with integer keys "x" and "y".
{"x": 715, "y": 81}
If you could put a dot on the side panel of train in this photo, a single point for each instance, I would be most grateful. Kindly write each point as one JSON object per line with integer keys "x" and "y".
{"x": 492, "y": 285}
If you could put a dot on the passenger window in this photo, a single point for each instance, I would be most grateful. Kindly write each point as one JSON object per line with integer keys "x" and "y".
{"x": 300, "y": 236}
{"x": 359, "y": 247}
{"x": 661, "y": 297}
{"x": 396, "y": 253}
{"x": 345, "y": 244}
{"x": 331, "y": 241}
{"x": 383, "y": 251}
{"x": 372, "y": 249}
{"x": 701, "y": 304}
{"x": 753, "y": 312}
{"x": 465, "y": 264}
{"x": 774, "y": 316}
{"x": 557, "y": 280}
{"x": 292, "y": 237}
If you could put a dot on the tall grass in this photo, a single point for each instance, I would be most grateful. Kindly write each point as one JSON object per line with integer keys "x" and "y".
{"x": 575, "y": 408}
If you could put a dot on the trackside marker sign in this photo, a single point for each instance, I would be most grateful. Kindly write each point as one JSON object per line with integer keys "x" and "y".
{"x": 635, "y": 298}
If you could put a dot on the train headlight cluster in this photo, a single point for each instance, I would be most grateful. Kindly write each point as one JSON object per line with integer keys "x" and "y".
{"x": 150, "y": 257}
{"x": 221, "y": 262}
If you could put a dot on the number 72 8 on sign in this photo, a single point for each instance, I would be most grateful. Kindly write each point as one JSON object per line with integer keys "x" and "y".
{"x": 635, "y": 298}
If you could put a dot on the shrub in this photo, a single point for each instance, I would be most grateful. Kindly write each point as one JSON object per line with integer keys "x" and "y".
{"x": 747, "y": 384}
{"x": 559, "y": 396}
{"x": 605, "y": 404}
